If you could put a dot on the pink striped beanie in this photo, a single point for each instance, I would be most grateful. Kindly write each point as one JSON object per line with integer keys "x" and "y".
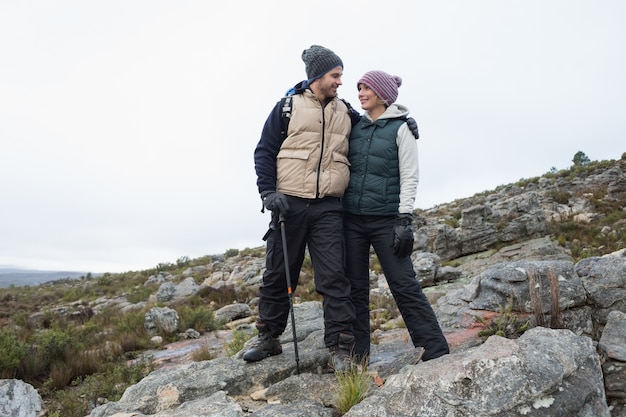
{"x": 384, "y": 85}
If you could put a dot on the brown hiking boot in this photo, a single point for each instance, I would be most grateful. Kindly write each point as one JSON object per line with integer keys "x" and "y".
{"x": 340, "y": 359}
{"x": 264, "y": 346}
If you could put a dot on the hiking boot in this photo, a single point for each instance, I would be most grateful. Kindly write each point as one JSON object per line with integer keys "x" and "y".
{"x": 340, "y": 359}
{"x": 264, "y": 346}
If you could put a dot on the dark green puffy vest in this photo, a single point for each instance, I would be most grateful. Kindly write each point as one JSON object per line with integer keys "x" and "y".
{"x": 374, "y": 187}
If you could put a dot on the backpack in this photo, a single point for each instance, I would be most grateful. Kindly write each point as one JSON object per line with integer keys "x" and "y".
{"x": 286, "y": 106}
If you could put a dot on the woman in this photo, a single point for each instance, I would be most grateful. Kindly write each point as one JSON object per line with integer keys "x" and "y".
{"x": 378, "y": 212}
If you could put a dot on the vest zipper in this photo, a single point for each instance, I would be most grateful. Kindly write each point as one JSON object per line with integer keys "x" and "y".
{"x": 319, "y": 164}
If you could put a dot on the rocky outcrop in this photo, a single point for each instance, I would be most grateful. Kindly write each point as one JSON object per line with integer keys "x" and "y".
{"x": 546, "y": 372}
{"x": 557, "y": 294}
{"x": 516, "y": 213}
{"x": 543, "y": 373}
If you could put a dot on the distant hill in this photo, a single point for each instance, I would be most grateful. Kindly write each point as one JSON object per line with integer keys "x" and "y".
{"x": 21, "y": 277}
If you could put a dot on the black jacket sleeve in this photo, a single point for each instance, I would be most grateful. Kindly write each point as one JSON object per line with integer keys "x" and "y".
{"x": 267, "y": 149}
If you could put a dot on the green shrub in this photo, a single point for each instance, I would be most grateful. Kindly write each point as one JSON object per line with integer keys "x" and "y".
{"x": 65, "y": 404}
{"x": 87, "y": 391}
{"x": 132, "y": 322}
{"x": 200, "y": 318}
{"x": 559, "y": 196}
{"x": 13, "y": 351}
{"x": 112, "y": 383}
{"x": 138, "y": 294}
{"x": 54, "y": 343}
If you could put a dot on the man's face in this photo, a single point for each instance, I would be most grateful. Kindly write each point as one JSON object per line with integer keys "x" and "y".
{"x": 328, "y": 84}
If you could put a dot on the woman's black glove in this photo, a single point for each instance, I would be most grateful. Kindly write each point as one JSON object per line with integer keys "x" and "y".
{"x": 275, "y": 201}
{"x": 402, "y": 236}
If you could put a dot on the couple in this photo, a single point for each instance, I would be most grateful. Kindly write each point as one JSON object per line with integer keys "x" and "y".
{"x": 341, "y": 182}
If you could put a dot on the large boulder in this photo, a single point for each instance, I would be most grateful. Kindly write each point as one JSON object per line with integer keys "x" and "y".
{"x": 544, "y": 373}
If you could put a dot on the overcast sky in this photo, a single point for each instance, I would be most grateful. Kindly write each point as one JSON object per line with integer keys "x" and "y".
{"x": 128, "y": 127}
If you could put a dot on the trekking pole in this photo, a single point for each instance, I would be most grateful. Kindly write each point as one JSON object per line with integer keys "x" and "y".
{"x": 281, "y": 220}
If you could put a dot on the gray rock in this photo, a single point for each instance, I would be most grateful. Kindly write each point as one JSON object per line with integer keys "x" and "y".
{"x": 233, "y": 312}
{"x": 543, "y": 373}
{"x": 297, "y": 409}
{"x": 161, "y": 319}
{"x": 613, "y": 336}
{"x": 19, "y": 399}
{"x": 613, "y": 347}
{"x": 166, "y": 292}
{"x": 185, "y": 288}
{"x": 604, "y": 279}
{"x": 215, "y": 405}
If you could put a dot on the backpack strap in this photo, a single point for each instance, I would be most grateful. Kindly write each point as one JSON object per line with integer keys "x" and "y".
{"x": 285, "y": 105}
{"x": 354, "y": 115}
{"x": 348, "y": 105}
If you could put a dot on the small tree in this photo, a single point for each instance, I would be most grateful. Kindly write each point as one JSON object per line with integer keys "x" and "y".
{"x": 580, "y": 159}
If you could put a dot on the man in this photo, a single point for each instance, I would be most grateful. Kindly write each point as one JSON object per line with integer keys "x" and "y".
{"x": 301, "y": 176}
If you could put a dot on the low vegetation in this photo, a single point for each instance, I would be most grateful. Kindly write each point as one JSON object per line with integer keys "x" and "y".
{"x": 240, "y": 337}
{"x": 352, "y": 385}
{"x": 506, "y": 323}
{"x": 67, "y": 356}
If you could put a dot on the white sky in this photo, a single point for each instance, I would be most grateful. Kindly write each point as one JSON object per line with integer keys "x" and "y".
{"x": 127, "y": 128}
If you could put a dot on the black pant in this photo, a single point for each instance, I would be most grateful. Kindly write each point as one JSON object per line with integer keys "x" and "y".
{"x": 418, "y": 315}
{"x": 318, "y": 224}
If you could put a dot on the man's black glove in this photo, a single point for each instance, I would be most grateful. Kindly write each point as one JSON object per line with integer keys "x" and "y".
{"x": 275, "y": 201}
{"x": 402, "y": 236}
{"x": 412, "y": 124}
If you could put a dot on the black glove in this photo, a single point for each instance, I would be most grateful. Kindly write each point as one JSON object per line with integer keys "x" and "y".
{"x": 412, "y": 124}
{"x": 275, "y": 201}
{"x": 402, "y": 236}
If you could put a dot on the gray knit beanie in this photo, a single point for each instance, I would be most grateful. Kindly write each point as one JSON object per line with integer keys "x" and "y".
{"x": 384, "y": 85}
{"x": 319, "y": 60}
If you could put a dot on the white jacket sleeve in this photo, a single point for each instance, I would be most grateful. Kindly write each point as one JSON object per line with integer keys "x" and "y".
{"x": 409, "y": 169}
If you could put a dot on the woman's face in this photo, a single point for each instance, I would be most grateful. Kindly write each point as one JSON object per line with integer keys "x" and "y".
{"x": 369, "y": 100}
